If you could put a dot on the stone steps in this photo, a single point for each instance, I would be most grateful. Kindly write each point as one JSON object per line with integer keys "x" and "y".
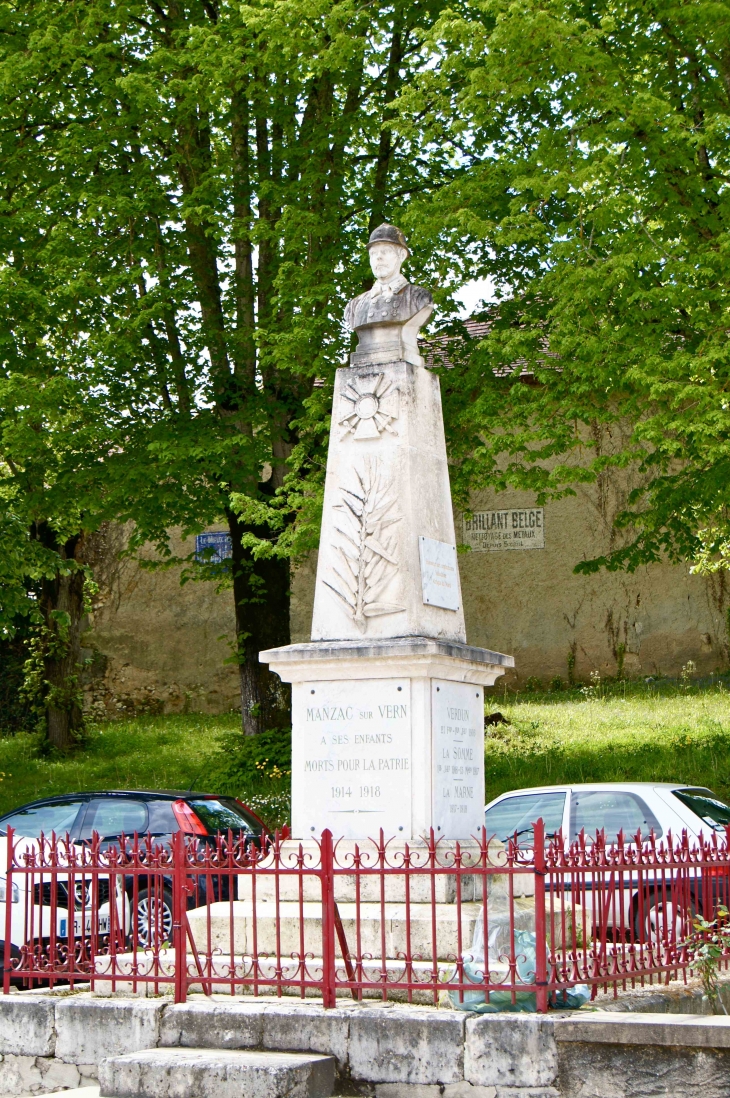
{"x": 216, "y": 1073}
{"x": 282, "y": 925}
{"x": 283, "y": 878}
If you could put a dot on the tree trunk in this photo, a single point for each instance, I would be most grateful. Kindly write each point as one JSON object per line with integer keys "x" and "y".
{"x": 261, "y": 595}
{"x": 62, "y": 607}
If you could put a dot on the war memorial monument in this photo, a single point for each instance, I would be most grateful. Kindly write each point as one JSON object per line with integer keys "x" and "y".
{"x": 387, "y": 697}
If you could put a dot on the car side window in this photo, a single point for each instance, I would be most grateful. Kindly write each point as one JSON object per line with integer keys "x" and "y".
{"x": 610, "y": 811}
{"x": 113, "y": 816}
{"x": 30, "y": 822}
{"x": 517, "y": 814}
{"x": 161, "y": 818}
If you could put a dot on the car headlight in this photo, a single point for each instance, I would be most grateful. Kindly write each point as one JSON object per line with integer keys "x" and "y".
{"x": 4, "y": 892}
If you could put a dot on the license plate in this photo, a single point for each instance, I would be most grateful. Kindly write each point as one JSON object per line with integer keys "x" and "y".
{"x": 102, "y": 926}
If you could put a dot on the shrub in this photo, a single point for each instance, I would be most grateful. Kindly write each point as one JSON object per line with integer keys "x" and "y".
{"x": 257, "y": 769}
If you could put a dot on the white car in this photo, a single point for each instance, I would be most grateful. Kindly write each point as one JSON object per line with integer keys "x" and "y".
{"x": 611, "y": 807}
{"x": 640, "y": 903}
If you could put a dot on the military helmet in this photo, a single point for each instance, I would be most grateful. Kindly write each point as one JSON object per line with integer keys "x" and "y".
{"x": 388, "y": 234}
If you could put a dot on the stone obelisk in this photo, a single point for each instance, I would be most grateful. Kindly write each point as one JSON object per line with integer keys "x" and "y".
{"x": 387, "y": 698}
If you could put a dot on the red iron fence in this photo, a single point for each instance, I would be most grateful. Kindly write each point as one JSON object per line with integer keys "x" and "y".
{"x": 492, "y": 927}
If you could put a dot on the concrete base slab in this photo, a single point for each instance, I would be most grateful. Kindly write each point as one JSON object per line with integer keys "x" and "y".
{"x": 216, "y": 1073}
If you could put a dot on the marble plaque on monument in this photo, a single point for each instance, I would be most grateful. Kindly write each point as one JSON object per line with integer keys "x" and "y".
{"x": 457, "y": 713}
{"x": 439, "y": 573}
{"x": 351, "y": 757}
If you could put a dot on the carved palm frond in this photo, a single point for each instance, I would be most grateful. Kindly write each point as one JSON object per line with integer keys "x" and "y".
{"x": 367, "y": 553}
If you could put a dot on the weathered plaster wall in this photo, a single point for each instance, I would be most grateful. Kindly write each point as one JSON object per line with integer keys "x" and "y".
{"x": 530, "y": 603}
{"x": 161, "y": 647}
{"x": 156, "y": 646}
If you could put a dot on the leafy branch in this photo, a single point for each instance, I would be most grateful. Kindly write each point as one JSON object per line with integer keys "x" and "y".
{"x": 710, "y": 942}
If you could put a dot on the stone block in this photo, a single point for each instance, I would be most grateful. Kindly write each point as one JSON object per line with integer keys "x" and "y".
{"x": 36, "y": 1075}
{"x": 396, "y": 1045}
{"x": 308, "y": 1029}
{"x": 407, "y": 1090}
{"x": 646, "y": 1029}
{"x": 20, "y": 1075}
{"x": 468, "y": 1090}
{"x": 510, "y": 1050}
{"x": 27, "y": 1025}
{"x": 109, "y": 984}
{"x": 59, "y": 1076}
{"x": 454, "y": 928}
{"x": 88, "y": 1030}
{"x": 306, "y": 853}
{"x": 648, "y": 1071}
{"x": 529, "y": 1092}
{"x": 212, "y": 1025}
{"x": 216, "y": 1073}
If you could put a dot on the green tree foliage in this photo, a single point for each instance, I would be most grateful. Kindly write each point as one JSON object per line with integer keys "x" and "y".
{"x": 593, "y": 139}
{"x": 62, "y": 462}
{"x": 184, "y": 185}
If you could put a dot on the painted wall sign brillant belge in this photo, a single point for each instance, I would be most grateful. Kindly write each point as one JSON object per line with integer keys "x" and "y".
{"x": 521, "y": 528}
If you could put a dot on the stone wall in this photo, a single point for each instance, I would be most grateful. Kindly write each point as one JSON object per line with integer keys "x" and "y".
{"x": 156, "y": 646}
{"x": 530, "y": 604}
{"x": 386, "y": 1051}
{"x": 161, "y": 647}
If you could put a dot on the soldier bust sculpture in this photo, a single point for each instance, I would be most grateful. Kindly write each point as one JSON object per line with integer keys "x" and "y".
{"x": 387, "y": 318}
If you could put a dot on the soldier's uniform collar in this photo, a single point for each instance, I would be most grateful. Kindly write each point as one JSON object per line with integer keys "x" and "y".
{"x": 393, "y": 287}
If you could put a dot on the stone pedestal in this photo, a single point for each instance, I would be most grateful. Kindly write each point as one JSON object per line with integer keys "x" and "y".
{"x": 387, "y": 734}
{"x": 388, "y": 698}
{"x": 423, "y": 888}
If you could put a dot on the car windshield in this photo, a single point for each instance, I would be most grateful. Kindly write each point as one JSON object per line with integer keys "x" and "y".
{"x": 516, "y": 815}
{"x": 706, "y": 805}
{"x": 220, "y": 815}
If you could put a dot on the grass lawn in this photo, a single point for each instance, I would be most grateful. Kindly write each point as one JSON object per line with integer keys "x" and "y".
{"x": 663, "y": 732}
{"x": 144, "y": 753}
{"x": 667, "y": 732}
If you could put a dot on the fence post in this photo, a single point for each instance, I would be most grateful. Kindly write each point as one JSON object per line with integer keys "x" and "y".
{"x": 8, "y": 912}
{"x": 179, "y": 905}
{"x": 541, "y": 993}
{"x": 328, "y": 920}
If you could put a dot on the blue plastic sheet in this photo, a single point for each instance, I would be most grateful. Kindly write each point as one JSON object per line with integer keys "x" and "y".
{"x": 481, "y": 1001}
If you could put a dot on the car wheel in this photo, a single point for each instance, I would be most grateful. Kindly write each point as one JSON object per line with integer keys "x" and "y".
{"x": 664, "y": 920}
{"x": 153, "y": 917}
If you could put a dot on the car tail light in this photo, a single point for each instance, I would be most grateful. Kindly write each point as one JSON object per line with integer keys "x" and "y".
{"x": 187, "y": 821}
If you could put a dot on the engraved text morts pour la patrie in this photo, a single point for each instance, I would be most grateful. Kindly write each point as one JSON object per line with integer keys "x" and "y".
{"x": 387, "y": 698}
